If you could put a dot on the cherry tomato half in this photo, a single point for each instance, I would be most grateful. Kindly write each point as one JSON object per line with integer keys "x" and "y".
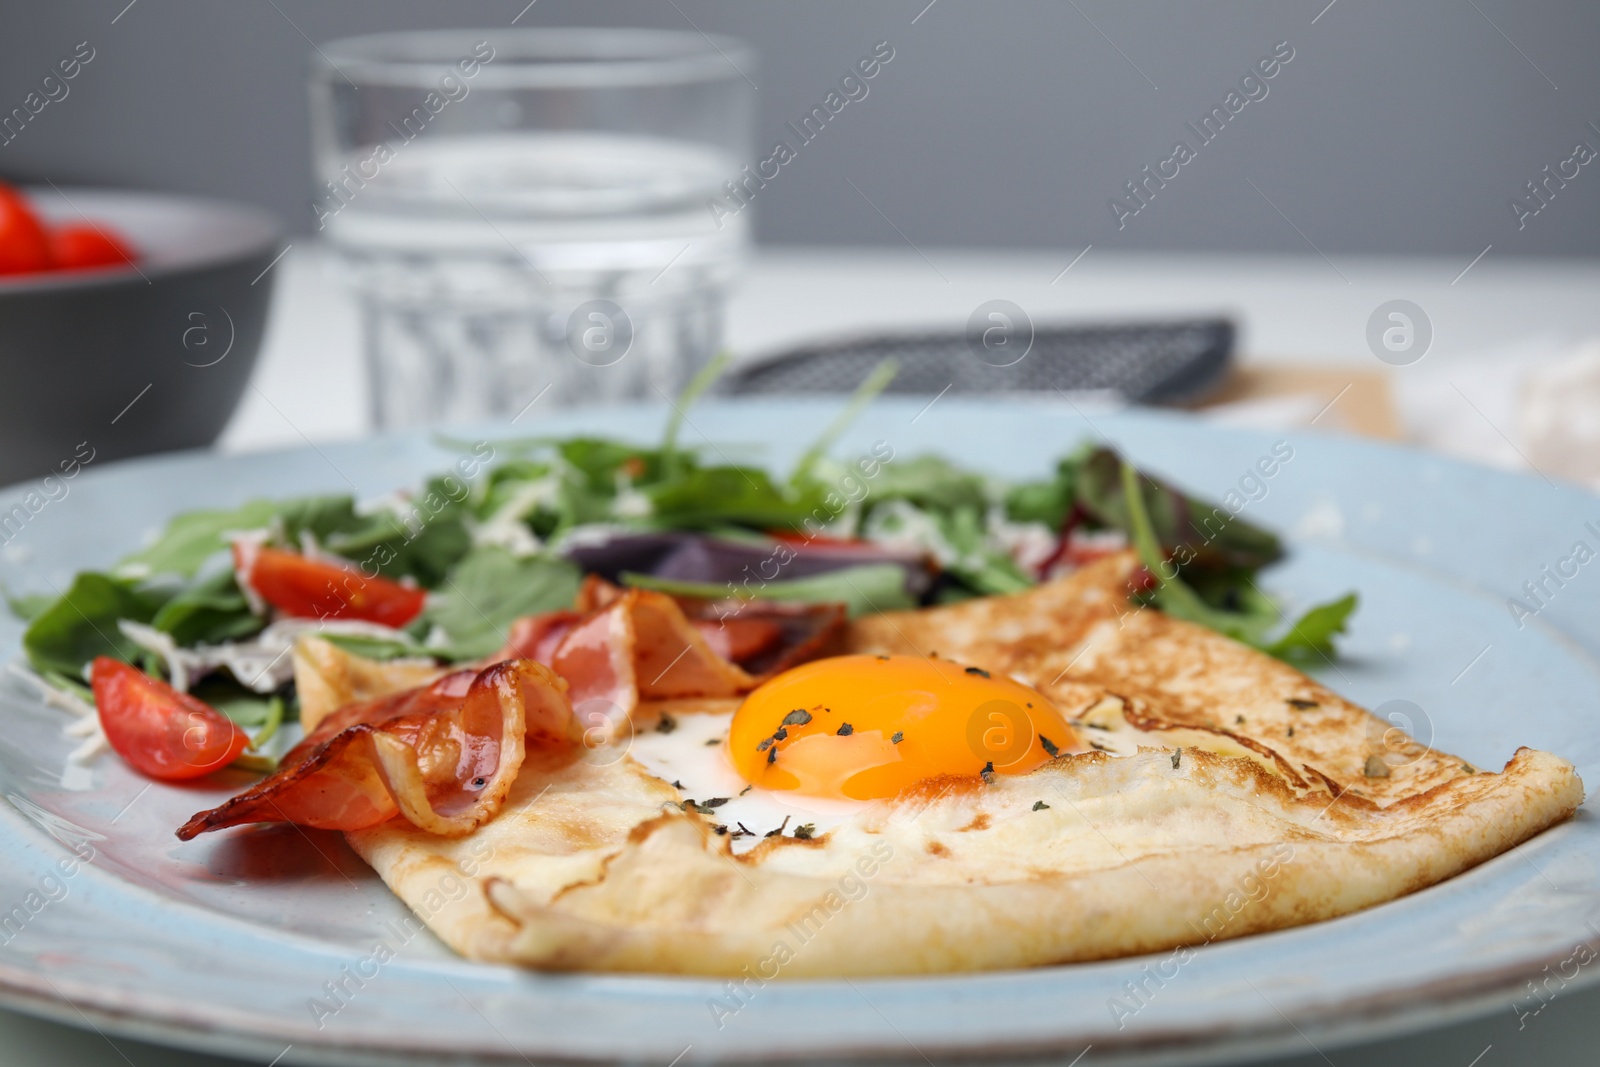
{"x": 24, "y": 245}
{"x": 160, "y": 731}
{"x": 308, "y": 589}
{"x": 82, "y": 247}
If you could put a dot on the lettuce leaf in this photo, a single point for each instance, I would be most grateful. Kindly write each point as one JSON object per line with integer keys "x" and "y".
{"x": 713, "y": 496}
{"x": 1212, "y": 536}
{"x": 208, "y": 611}
{"x": 194, "y": 536}
{"x": 862, "y": 589}
{"x": 82, "y": 624}
{"x": 1309, "y": 638}
{"x": 487, "y": 591}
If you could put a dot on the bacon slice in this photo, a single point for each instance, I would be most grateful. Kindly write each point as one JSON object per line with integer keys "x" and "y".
{"x": 673, "y": 657}
{"x": 766, "y": 637}
{"x": 740, "y": 640}
{"x": 443, "y": 755}
{"x": 634, "y": 645}
{"x": 596, "y": 593}
{"x": 619, "y": 646}
{"x": 595, "y": 654}
{"x": 761, "y": 636}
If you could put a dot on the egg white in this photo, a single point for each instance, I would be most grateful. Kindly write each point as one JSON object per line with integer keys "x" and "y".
{"x": 692, "y": 754}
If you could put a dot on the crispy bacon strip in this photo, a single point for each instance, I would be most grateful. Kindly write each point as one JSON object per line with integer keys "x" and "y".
{"x": 443, "y": 755}
{"x": 619, "y": 646}
{"x": 740, "y": 640}
{"x": 596, "y": 593}
{"x": 673, "y": 658}
{"x": 763, "y": 637}
{"x": 766, "y": 637}
{"x": 595, "y": 654}
{"x": 635, "y": 645}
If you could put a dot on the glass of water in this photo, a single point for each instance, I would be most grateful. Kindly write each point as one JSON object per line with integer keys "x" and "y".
{"x": 526, "y": 214}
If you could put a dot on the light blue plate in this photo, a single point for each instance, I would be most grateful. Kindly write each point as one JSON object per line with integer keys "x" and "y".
{"x": 217, "y": 946}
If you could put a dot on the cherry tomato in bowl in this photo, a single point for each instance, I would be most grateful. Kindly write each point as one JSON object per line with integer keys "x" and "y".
{"x": 29, "y": 244}
{"x": 24, "y": 243}
{"x": 79, "y": 345}
{"x": 85, "y": 247}
{"x": 311, "y": 589}
{"x": 163, "y": 733}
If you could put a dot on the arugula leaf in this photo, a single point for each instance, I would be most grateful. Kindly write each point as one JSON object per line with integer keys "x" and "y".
{"x": 671, "y": 457}
{"x": 980, "y": 567}
{"x": 424, "y": 544}
{"x": 579, "y": 487}
{"x": 28, "y": 606}
{"x": 591, "y": 457}
{"x": 1212, "y": 535}
{"x": 277, "y": 710}
{"x": 82, "y": 624}
{"x": 193, "y": 537}
{"x": 259, "y": 716}
{"x": 599, "y": 460}
{"x": 378, "y": 648}
{"x": 865, "y": 393}
{"x": 862, "y": 589}
{"x": 489, "y": 590}
{"x": 324, "y": 517}
{"x": 958, "y": 538}
{"x": 241, "y": 705}
{"x": 1046, "y": 502}
{"x": 208, "y": 611}
{"x": 1172, "y": 595}
{"x": 75, "y": 686}
{"x": 712, "y": 496}
{"x": 1049, "y": 501}
{"x": 954, "y": 594}
{"x": 932, "y": 483}
{"x": 1310, "y": 638}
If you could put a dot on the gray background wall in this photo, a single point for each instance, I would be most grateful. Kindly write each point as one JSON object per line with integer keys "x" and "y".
{"x": 1397, "y": 128}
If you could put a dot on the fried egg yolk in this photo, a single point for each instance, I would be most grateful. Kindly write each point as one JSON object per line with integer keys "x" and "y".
{"x": 867, "y": 727}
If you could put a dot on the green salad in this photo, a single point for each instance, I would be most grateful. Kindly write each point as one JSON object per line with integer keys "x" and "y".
{"x": 513, "y": 527}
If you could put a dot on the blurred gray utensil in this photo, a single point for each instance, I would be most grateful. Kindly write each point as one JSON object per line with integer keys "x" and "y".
{"x": 1139, "y": 363}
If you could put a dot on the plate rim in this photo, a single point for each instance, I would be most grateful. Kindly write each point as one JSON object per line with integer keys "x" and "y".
{"x": 1468, "y": 997}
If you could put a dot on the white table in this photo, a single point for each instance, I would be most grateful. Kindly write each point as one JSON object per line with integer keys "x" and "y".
{"x": 308, "y": 387}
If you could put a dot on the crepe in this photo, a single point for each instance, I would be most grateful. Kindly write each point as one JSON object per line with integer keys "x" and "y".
{"x": 327, "y": 678}
{"x": 1082, "y": 636}
{"x": 1225, "y": 793}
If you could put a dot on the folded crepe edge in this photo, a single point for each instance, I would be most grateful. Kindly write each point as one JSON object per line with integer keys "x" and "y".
{"x": 756, "y": 917}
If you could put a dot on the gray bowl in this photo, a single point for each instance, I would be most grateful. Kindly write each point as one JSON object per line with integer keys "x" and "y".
{"x": 118, "y": 362}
